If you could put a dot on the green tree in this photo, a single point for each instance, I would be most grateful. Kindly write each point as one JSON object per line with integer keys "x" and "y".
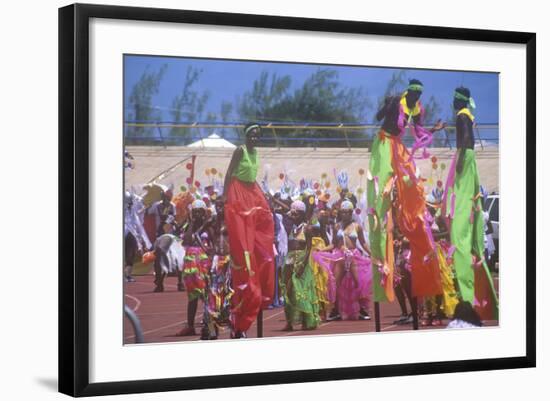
{"x": 395, "y": 87}
{"x": 189, "y": 105}
{"x": 267, "y": 92}
{"x": 321, "y": 98}
{"x": 140, "y": 101}
{"x": 211, "y": 117}
{"x": 226, "y": 109}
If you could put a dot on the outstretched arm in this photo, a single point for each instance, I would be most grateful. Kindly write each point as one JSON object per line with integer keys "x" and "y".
{"x": 439, "y": 125}
{"x": 362, "y": 241}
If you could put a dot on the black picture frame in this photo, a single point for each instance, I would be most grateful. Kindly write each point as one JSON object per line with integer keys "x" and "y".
{"x": 74, "y": 198}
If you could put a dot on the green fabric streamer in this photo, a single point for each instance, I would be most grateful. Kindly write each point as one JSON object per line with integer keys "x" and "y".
{"x": 467, "y": 234}
{"x": 379, "y": 166}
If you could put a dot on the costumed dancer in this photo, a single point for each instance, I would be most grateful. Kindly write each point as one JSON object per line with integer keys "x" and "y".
{"x": 351, "y": 268}
{"x": 463, "y": 207}
{"x": 197, "y": 239}
{"x": 298, "y": 284}
{"x": 217, "y": 306}
{"x": 251, "y": 235}
{"x": 135, "y": 238}
{"x": 168, "y": 255}
{"x": 441, "y": 306}
{"x": 281, "y": 244}
{"x": 160, "y": 211}
{"x": 391, "y": 164}
{"x": 325, "y": 284}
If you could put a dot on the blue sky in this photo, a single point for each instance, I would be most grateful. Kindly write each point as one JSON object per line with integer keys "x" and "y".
{"x": 227, "y": 79}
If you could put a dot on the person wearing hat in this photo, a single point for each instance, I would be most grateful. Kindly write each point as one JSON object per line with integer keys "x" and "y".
{"x": 251, "y": 234}
{"x": 197, "y": 240}
{"x": 298, "y": 283}
{"x": 392, "y": 165}
{"x": 463, "y": 207}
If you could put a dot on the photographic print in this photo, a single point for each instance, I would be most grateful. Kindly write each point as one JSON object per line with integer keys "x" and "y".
{"x": 304, "y": 199}
{"x": 284, "y": 199}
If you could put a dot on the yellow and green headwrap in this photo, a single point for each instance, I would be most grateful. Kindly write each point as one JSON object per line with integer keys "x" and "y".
{"x": 250, "y": 127}
{"x": 415, "y": 87}
{"x": 469, "y": 100}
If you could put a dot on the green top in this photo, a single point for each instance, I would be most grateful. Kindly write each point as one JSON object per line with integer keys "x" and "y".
{"x": 248, "y": 166}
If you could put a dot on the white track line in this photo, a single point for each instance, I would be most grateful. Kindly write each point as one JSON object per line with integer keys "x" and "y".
{"x": 304, "y": 331}
{"x": 137, "y": 301}
{"x": 275, "y": 314}
{"x": 152, "y": 284}
{"x": 158, "y": 329}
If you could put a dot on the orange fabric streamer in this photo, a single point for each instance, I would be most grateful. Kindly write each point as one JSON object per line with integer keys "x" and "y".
{"x": 426, "y": 278}
{"x": 390, "y": 265}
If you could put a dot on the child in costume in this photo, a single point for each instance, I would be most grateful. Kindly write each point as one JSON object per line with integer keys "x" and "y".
{"x": 197, "y": 240}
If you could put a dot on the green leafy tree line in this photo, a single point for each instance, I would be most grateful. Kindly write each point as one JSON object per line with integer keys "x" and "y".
{"x": 271, "y": 97}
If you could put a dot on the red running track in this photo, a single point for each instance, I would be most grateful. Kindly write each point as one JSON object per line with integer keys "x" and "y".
{"x": 162, "y": 315}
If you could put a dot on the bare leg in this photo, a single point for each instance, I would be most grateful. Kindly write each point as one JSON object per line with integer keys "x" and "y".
{"x": 338, "y": 273}
{"x": 128, "y": 273}
{"x": 159, "y": 282}
{"x": 354, "y": 274}
{"x": 289, "y": 311}
{"x": 181, "y": 287}
{"x": 338, "y": 276}
{"x": 191, "y": 312}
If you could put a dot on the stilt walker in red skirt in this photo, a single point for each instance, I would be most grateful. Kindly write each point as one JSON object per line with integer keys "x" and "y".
{"x": 250, "y": 226}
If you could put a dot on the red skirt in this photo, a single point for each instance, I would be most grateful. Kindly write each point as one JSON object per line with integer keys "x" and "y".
{"x": 250, "y": 226}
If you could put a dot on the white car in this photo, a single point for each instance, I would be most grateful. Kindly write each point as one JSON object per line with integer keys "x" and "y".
{"x": 491, "y": 206}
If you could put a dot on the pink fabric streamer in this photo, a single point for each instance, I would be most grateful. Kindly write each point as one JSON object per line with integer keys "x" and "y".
{"x": 423, "y": 137}
{"x": 448, "y": 185}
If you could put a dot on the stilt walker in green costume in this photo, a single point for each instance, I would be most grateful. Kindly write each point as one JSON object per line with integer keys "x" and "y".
{"x": 463, "y": 208}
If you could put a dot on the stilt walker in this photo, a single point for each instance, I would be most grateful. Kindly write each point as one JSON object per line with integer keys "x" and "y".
{"x": 463, "y": 208}
{"x": 392, "y": 165}
{"x": 251, "y": 233}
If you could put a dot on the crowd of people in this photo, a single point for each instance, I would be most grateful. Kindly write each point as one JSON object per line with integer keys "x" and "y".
{"x": 238, "y": 247}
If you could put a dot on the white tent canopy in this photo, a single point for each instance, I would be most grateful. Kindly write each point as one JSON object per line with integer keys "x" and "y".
{"x": 212, "y": 141}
